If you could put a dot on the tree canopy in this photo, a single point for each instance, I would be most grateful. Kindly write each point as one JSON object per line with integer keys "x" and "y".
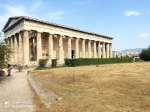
{"x": 5, "y": 52}
{"x": 145, "y": 54}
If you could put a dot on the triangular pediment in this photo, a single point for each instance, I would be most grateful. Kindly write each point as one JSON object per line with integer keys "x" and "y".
{"x": 10, "y": 22}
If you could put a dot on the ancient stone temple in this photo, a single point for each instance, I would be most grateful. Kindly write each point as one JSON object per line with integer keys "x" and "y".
{"x": 34, "y": 39}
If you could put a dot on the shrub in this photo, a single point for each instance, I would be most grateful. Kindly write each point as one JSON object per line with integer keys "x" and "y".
{"x": 42, "y": 62}
{"x": 20, "y": 67}
{"x": 145, "y": 55}
{"x": 54, "y": 62}
{"x": 96, "y": 61}
{"x": 137, "y": 60}
{"x": 68, "y": 62}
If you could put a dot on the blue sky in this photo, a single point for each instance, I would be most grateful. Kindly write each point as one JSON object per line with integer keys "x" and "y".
{"x": 127, "y": 21}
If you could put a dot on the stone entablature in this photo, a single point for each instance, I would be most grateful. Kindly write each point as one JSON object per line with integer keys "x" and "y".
{"x": 33, "y": 39}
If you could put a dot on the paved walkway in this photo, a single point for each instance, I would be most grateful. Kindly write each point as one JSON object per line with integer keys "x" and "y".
{"x": 15, "y": 93}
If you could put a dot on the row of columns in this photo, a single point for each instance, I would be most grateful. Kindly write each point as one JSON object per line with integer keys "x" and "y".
{"x": 20, "y": 43}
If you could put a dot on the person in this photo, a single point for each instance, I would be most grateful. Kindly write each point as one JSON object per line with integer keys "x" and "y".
{"x": 9, "y": 68}
{"x": 133, "y": 59}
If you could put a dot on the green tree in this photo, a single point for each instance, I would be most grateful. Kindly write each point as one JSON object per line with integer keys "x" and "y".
{"x": 5, "y": 52}
{"x": 145, "y": 54}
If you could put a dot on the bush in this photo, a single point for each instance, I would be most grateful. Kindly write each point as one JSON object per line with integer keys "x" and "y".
{"x": 145, "y": 55}
{"x": 96, "y": 61}
{"x": 54, "y": 62}
{"x": 138, "y": 60}
{"x": 68, "y": 62}
{"x": 20, "y": 67}
{"x": 42, "y": 62}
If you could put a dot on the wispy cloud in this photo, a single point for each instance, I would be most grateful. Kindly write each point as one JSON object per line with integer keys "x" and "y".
{"x": 56, "y": 15}
{"x": 144, "y": 35}
{"x": 132, "y": 13}
{"x": 36, "y": 5}
{"x": 13, "y": 11}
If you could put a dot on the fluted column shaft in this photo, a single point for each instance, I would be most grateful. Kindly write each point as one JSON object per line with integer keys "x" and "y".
{"x": 94, "y": 49}
{"x": 99, "y": 50}
{"x": 39, "y": 46}
{"x": 61, "y": 53}
{"x": 103, "y": 46}
{"x": 26, "y": 47}
{"x": 77, "y": 48}
{"x": 20, "y": 49}
{"x": 89, "y": 48}
{"x": 110, "y": 49}
{"x": 107, "y": 50}
{"x": 16, "y": 49}
{"x": 50, "y": 46}
{"x": 83, "y": 48}
{"x": 11, "y": 46}
{"x": 69, "y": 48}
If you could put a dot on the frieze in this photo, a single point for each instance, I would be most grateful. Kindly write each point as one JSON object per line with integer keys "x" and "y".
{"x": 63, "y": 31}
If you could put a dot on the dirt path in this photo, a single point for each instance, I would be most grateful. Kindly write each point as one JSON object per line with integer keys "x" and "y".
{"x": 15, "y": 93}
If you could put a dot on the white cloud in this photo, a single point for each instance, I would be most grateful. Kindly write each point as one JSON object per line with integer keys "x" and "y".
{"x": 144, "y": 35}
{"x": 132, "y": 13}
{"x": 56, "y": 15}
{"x": 13, "y": 11}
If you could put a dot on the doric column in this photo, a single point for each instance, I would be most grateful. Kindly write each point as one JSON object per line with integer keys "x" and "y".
{"x": 69, "y": 48}
{"x": 103, "y": 46}
{"x": 83, "y": 48}
{"x": 26, "y": 47}
{"x": 110, "y": 49}
{"x": 94, "y": 49}
{"x": 61, "y": 53}
{"x": 49, "y": 63}
{"x": 39, "y": 46}
{"x": 77, "y": 48}
{"x": 99, "y": 50}
{"x": 89, "y": 48}
{"x": 51, "y": 45}
{"x": 11, "y": 46}
{"x": 107, "y": 50}
{"x": 20, "y": 49}
{"x": 16, "y": 49}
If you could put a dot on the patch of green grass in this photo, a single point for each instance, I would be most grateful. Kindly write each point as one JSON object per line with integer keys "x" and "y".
{"x": 42, "y": 68}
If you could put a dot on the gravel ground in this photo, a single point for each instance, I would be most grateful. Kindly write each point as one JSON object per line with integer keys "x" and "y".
{"x": 15, "y": 93}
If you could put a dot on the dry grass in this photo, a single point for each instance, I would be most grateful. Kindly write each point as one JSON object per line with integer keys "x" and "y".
{"x": 107, "y": 88}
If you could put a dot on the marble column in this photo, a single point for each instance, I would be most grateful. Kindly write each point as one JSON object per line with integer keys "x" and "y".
{"x": 99, "y": 50}
{"x": 16, "y": 49}
{"x": 107, "y": 50}
{"x": 83, "y": 48}
{"x": 69, "y": 48}
{"x": 77, "y": 48}
{"x": 26, "y": 47}
{"x": 94, "y": 49}
{"x": 39, "y": 46}
{"x": 11, "y": 46}
{"x": 103, "y": 46}
{"x": 34, "y": 54}
{"x": 89, "y": 48}
{"x": 110, "y": 49}
{"x": 61, "y": 53}
{"x": 20, "y": 49}
{"x": 49, "y": 63}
